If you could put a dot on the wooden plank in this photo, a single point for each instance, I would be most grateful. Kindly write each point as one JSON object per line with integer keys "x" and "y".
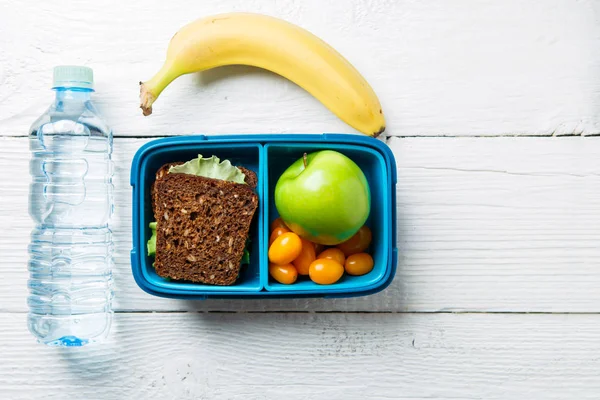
{"x": 485, "y": 224}
{"x": 300, "y": 356}
{"x": 473, "y": 68}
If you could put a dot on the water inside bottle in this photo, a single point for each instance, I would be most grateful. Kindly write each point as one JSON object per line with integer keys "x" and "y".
{"x": 70, "y": 263}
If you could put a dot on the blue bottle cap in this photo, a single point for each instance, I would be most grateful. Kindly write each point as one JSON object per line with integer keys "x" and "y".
{"x": 73, "y": 76}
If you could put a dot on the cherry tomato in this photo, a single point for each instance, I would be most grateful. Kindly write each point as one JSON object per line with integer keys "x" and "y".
{"x": 357, "y": 243}
{"x": 278, "y": 223}
{"x": 333, "y": 254}
{"x": 306, "y": 257}
{"x": 285, "y": 248}
{"x": 276, "y": 233}
{"x": 359, "y": 264}
{"x": 285, "y": 274}
{"x": 325, "y": 271}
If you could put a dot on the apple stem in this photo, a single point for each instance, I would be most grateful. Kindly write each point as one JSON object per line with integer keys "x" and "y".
{"x": 305, "y": 159}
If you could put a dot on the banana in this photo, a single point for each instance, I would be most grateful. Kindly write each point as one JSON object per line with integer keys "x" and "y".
{"x": 275, "y": 45}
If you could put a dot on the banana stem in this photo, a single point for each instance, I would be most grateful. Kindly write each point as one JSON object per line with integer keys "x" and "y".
{"x": 150, "y": 90}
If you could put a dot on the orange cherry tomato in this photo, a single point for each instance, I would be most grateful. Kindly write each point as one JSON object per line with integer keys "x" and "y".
{"x": 285, "y": 248}
{"x": 285, "y": 274}
{"x": 276, "y": 233}
{"x": 333, "y": 254}
{"x": 278, "y": 223}
{"x": 357, "y": 243}
{"x": 306, "y": 257}
{"x": 325, "y": 271}
{"x": 359, "y": 264}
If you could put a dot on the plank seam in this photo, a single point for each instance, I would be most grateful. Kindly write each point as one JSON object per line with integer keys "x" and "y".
{"x": 387, "y": 137}
{"x": 342, "y": 312}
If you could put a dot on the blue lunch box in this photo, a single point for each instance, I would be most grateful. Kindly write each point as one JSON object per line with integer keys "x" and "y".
{"x": 268, "y": 156}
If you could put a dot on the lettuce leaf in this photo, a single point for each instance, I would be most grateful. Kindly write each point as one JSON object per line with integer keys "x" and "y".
{"x": 210, "y": 168}
{"x": 246, "y": 255}
{"x": 152, "y": 242}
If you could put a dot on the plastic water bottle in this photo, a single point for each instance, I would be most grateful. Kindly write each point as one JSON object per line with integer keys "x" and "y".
{"x": 70, "y": 254}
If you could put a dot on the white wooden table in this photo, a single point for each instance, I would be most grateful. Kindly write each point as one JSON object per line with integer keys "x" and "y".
{"x": 492, "y": 109}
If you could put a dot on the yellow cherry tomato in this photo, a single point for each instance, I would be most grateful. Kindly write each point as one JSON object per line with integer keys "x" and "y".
{"x": 285, "y": 248}
{"x": 306, "y": 257}
{"x": 278, "y": 223}
{"x": 325, "y": 271}
{"x": 285, "y": 274}
{"x": 276, "y": 233}
{"x": 357, "y": 243}
{"x": 333, "y": 254}
{"x": 359, "y": 264}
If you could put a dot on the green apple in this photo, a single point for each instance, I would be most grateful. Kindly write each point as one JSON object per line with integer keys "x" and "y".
{"x": 323, "y": 197}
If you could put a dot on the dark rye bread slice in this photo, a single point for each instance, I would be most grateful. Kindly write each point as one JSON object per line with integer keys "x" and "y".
{"x": 161, "y": 173}
{"x": 202, "y": 228}
{"x": 250, "y": 178}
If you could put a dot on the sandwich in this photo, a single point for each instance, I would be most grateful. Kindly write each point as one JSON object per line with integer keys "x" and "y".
{"x": 203, "y": 210}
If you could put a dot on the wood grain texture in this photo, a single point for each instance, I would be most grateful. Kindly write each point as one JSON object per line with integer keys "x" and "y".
{"x": 471, "y": 68}
{"x": 484, "y": 224}
{"x": 312, "y": 356}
